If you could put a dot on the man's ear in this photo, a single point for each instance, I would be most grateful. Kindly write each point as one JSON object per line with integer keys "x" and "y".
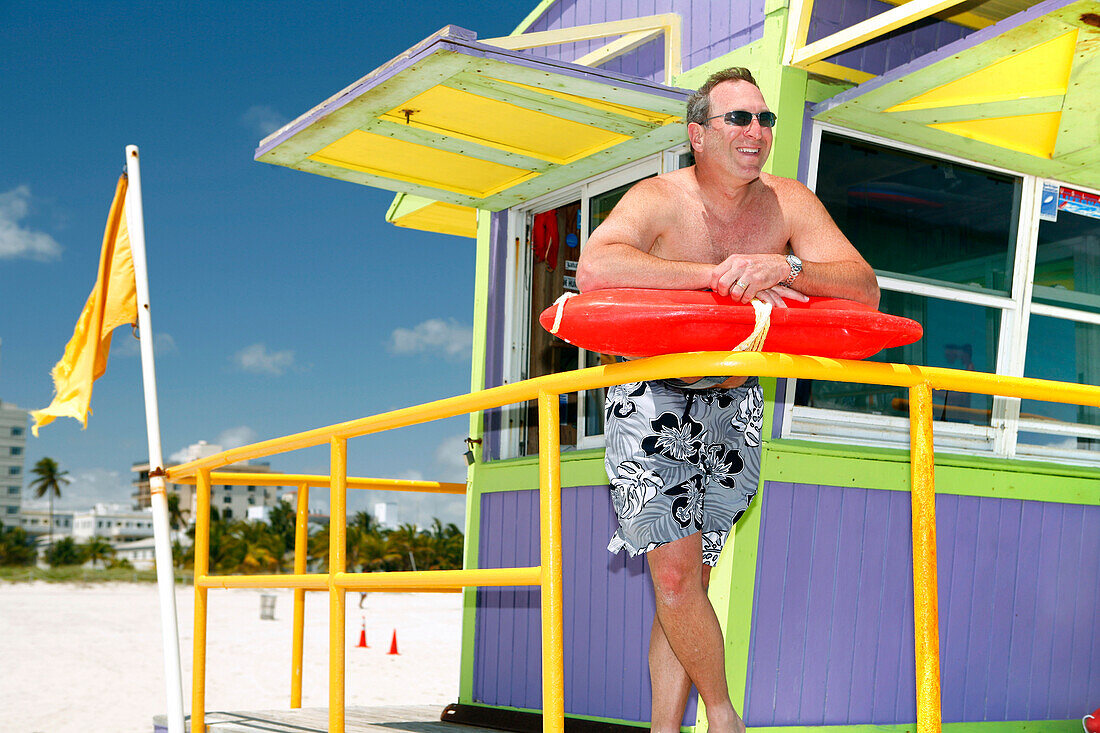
{"x": 695, "y": 136}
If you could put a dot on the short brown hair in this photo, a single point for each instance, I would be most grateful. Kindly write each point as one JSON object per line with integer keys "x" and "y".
{"x": 698, "y": 106}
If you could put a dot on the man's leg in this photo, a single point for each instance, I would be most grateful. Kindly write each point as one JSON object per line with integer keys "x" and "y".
{"x": 671, "y": 684}
{"x": 686, "y": 641}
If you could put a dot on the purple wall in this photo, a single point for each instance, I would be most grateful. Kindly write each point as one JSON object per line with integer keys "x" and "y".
{"x": 887, "y": 52}
{"x": 710, "y": 29}
{"x": 832, "y": 639}
{"x": 608, "y": 611}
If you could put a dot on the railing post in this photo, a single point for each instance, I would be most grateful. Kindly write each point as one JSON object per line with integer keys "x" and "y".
{"x": 925, "y": 603}
{"x": 301, "y": 537}
{"x": 337, "y": 559}
{"x": 201, "y": 568}
{"x": 553, "y": 661}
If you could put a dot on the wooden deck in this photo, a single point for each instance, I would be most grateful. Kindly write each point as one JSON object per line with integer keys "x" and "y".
{"x": 390, "y": 719}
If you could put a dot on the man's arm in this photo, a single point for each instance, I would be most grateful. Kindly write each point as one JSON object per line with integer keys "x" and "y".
{"x": 617, "y": 254}
{"x": 831, "y": 266}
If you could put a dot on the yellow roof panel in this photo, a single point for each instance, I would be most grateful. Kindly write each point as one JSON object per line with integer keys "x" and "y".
{"x": 1012, "y": 77}
{"x": 1031, "y": 134}
{"x": 441, "y": 217}
{"x": 401, "y": 160}
{"x": 502, "y": 125}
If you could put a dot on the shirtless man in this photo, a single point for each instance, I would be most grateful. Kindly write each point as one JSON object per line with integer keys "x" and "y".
{"x": 684, "y": 455}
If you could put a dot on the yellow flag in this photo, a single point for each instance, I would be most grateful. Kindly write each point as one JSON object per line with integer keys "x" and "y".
{"x": 113, "y": 303}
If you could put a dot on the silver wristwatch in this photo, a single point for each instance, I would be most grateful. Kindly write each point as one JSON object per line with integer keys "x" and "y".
{"x": 796, "y": 270}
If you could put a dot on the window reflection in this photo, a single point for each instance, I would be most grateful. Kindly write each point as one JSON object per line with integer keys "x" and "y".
{"x": 1067, "y": 352}
{"x": 914, "y": 216}
{"x": 1067, "y": 262}
{"x": 956, "y": 336}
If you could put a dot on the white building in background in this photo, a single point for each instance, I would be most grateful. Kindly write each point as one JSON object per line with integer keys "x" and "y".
{"x": 141, "y": 553}
{"x": 385, "y": 513}
{"x": 36, "y": 522}
{"x": 232, "y": 502}
{"x": 13, "y": 443}
{"x": 112, "y": 522}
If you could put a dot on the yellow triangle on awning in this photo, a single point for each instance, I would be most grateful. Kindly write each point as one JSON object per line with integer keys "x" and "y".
{"x": 1031, "y": 134}
{"x": 1040, "y": 71}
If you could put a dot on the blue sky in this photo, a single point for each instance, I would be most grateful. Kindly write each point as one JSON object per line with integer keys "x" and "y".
{"x": 282, "y": 301}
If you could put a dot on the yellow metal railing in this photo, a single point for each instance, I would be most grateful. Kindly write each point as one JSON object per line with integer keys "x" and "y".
{"x": 919, "y": 380}
{"x": 299, "y": 581}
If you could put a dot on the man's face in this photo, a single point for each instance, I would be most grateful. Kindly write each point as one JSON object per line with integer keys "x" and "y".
{"x": 740, "y": 150}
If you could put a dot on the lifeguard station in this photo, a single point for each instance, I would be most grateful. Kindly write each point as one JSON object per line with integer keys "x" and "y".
{"x": 955, "y": 144}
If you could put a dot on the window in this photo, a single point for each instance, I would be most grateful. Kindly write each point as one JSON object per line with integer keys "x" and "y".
{"x": 15, "y": 470}
{"x": 16, "y": 450}
{"x": 958, "y": 247}
{"x": 17, "y": 431}
{"x": 228, "y": 514}
{"x": 228, "y": 499}
{"x": 13, "y": 510}
{"x": 13, "y": 490}
{"x": 251, "y": 488}
{"x": 555, "y": 229}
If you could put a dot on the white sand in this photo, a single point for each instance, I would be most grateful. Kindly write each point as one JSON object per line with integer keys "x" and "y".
{"x": 88, "y": 658}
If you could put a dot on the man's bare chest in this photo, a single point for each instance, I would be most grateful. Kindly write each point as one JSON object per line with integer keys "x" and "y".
{"x": 701, "y": 236}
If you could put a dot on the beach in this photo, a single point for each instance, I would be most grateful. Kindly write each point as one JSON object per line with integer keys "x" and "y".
{"x": 89, "y": 657}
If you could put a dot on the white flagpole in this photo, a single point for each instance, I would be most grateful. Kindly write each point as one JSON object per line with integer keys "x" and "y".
{"x": 173, "y": 678}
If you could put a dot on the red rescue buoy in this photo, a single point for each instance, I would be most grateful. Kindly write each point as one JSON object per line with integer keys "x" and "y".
{"x": 640, "y": 322}
{"x": 1091, "y": 723}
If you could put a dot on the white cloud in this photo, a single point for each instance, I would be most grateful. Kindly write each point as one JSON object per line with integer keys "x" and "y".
{"x": 258, "y": 360}
{"x": 262, "y": 119}
{"x": 449, "y": 338}
{"x": 126, "y": 345}
{"x": 90, "y": 486}
{"x": 236, "y": 437}
{"x": 450, "y": 459}
{"x": 18, "y": 241}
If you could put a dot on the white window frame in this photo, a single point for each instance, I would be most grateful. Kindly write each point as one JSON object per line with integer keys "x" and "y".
{"x": 517, "y": 287}
{"x": 1000, "y": 436}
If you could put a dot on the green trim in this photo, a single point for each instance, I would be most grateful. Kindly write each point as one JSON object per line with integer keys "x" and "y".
{"x": 989, "y": 726}
{"x": 819, "y": 89}
{"x": 825, "y": 464}
{"x": 559, "y": 177}
{"x": 749, "y": 56}
{"x": 473, "y": 495}
{"x": 534, "y": 15}
{"x": 578, "y": 468}
{"x": 983, "y": 111}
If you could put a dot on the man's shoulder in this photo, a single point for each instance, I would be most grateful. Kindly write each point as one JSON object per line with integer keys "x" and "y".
{"x": 670, "y": 189}
{"x": 785, "y": 189}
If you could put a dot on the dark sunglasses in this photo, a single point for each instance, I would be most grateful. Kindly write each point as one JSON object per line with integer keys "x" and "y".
{"x": 741, "y": 118}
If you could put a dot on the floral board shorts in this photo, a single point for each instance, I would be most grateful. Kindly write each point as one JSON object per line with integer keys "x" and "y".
{"x": 681, "y": 461}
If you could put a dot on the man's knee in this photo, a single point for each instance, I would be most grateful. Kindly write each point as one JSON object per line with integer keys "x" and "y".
{"x": 677, "y": 573}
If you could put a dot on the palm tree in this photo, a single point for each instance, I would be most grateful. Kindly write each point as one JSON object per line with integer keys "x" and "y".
{"x": 48, "y": 483}
{"x": 97, "y": 548}
{"x": 175, "y": 515}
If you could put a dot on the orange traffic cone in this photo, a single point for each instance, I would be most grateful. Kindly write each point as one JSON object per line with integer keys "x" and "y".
{"x": 393, "y": 644}
{"x": 363, "y": 636}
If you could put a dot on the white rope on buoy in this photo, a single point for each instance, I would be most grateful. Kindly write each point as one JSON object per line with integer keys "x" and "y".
{"x": 755, "y": 340}
{"x": 560, "y": 303}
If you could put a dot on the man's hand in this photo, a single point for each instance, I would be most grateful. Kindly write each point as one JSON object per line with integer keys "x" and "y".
{"x": 745, "y": 277}
{"x": 776, "y": 293}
